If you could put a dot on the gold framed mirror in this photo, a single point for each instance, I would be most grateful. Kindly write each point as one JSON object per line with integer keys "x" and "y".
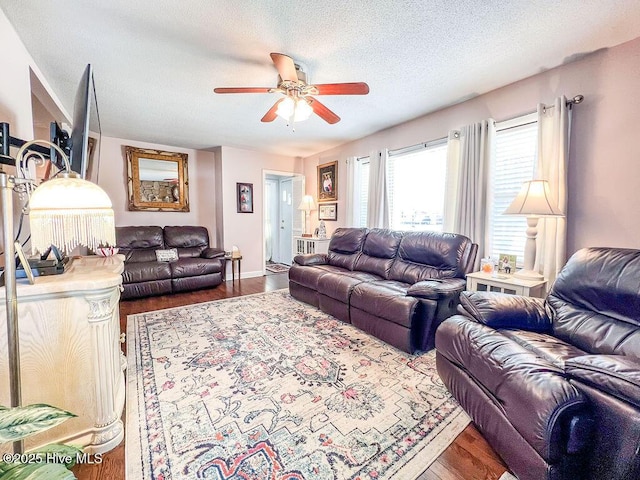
{"x": 157, "y": 181}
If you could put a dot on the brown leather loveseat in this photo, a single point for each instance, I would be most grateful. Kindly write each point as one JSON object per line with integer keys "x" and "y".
{"x": 196, "y": 266}
{"x": 554, "y": 385}
{"x": 397, "y": 286}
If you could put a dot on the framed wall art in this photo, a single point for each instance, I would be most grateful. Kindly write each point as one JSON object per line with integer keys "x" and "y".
{"x": 244, "y": 193}
{"x": 157, "y": 180}
{"x": 328, "y": 182}
{"x": 328, "y": 211}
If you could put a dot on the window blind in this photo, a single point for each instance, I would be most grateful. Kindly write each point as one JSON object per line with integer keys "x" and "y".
{"x": 514, "y": 163}
{"x": 415, "y": 184}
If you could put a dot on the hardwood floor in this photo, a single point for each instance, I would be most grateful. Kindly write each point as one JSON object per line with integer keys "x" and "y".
{"x": 469, "y": 457}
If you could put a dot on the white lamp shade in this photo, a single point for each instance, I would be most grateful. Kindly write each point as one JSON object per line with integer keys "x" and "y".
{"x": 307, "y": 204}
{"x": 286, "y": 108}
{"x": 294, "y": 110}
{"x": 534, "y": 200}
{"x": 303, "y": 110}
{"x": 67, "y": 212}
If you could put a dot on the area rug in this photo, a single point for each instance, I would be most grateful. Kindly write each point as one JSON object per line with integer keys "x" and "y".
{"x": 266, "y": 387}
{"x": 277, "y": 268}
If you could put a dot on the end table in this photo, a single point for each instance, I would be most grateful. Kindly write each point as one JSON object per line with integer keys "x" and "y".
{"x": 487, "y": 282}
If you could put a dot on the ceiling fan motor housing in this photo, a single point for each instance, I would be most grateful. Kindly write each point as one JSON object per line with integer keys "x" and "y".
{"x": 300, "y": 72}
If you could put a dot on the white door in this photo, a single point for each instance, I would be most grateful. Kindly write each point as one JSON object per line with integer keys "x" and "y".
{"x": 271, "y": 221}
{"x": 286, "y": 217}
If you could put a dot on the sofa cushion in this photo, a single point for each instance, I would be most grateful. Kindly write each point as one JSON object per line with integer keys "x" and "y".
{"x": 386, "y": 299}
{"x": 545, "y": 346}
{"x": 339, "y": 285}
{"x": 190, "y": 241}
{"x": 146, "y": 272}
{"x": 614, "y": 374}
{"x": 533, "y": 393}
{"x": 378, "y": 252}
{"x": 308, "y": 276}
{"x": 344, "y": 247}
{"x": 193, "y": 267}
{"x": 138, "y": 244}
{"x": 596, "y": 299}
{"x": 139, "y": 237}
{"x": 425, "y": 255}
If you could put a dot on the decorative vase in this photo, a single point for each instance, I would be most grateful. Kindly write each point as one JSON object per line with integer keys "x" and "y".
{"x": 322, "y": 230}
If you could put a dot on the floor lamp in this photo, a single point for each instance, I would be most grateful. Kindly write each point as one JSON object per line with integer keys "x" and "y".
{"x": 533, "y": 201}
{"x": 306, "y": 205}
{"x": 66, "y": 211}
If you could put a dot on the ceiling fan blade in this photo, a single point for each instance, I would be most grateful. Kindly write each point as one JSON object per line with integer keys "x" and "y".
{"x": 243, "y": 90}
{"x": 270, "y": 116}
{"x": 356, "y": 88}
{"x": 322, "y": 111}
{"x": 285, "y": 66}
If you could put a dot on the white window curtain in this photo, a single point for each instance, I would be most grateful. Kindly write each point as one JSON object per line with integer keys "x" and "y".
{"x": 467, "y": 212}
{"x": 352, "y": 191}
{"x": 554, "y": 130}
{"x": 451, "y": 182}
{"x": 378, "y": 204}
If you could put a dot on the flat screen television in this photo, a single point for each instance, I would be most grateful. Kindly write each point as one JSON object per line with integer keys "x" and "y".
{"x": 84, "y": 156}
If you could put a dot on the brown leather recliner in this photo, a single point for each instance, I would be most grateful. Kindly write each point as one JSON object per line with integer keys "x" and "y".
{"x": 198, "y": 265}
{"x": 554, "y": 385}
{"x": 397, "y": 286}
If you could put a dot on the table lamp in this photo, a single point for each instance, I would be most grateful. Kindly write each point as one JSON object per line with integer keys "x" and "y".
{"x": 533, "y": 201}
{"x": 307, "y": 204}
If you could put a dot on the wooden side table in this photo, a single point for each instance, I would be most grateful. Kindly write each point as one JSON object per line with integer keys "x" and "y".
{"x": 486, "y": 282}
{"x": 235, "y": 259}
{"x": 307, "y": 245}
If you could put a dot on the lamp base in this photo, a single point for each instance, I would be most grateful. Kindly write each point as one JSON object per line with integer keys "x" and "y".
{"x": 528, "y": 275}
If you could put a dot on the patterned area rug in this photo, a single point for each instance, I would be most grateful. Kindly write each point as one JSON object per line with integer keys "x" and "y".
{"x": 277, "y": 268}
{"x": 266, "y": 387}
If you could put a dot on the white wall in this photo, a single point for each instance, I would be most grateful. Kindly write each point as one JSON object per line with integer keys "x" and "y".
{"x": 201, "y": 171}
{"x": 16, "y": 90}
{"x": 245, "y": 230}
{"x": 604, "y": 164}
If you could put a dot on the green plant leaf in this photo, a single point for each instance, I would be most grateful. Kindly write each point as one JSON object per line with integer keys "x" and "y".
{"x": 20, "y": 422}
{"x": 59, "y": 453}
{"x": 35, "y": 471}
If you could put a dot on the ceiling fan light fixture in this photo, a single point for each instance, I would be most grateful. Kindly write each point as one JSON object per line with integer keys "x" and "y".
{"x": 294, "y": 110}
{"x": 303, "y": 110}
{"x": 286, "y": 108}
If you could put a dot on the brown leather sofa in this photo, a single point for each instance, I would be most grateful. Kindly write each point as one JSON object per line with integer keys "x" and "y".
{"x": 198, "y": 265}
{"x": 554, "y": 385}
{"x": 397, "y": 286}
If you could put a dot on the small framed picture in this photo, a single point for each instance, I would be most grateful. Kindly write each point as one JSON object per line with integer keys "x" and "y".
{"x": 245, "y": 197}
{"x": 506, "y": 263}
{"x": 328, "y": 211}
{"x": 328, "y": 182}
{"x": 24, "y": 262}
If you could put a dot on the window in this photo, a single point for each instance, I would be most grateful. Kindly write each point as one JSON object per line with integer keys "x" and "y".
{"x": 513, "y": 163}
{"x": 416, "y": 181}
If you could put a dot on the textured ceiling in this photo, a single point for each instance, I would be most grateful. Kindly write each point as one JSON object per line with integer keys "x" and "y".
{"x": 156, "y": 62}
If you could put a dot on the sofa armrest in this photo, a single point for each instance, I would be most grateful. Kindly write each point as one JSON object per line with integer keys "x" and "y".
{"x": 616, "y": 375}
{"x": 500, "y": 310}
{"x": 311, "y": 259}
{"x": 212, "y": 253}
{"x": 437, "y": 289}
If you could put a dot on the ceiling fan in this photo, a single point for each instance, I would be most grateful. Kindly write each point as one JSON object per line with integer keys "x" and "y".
{"x": 298, "y": 102}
